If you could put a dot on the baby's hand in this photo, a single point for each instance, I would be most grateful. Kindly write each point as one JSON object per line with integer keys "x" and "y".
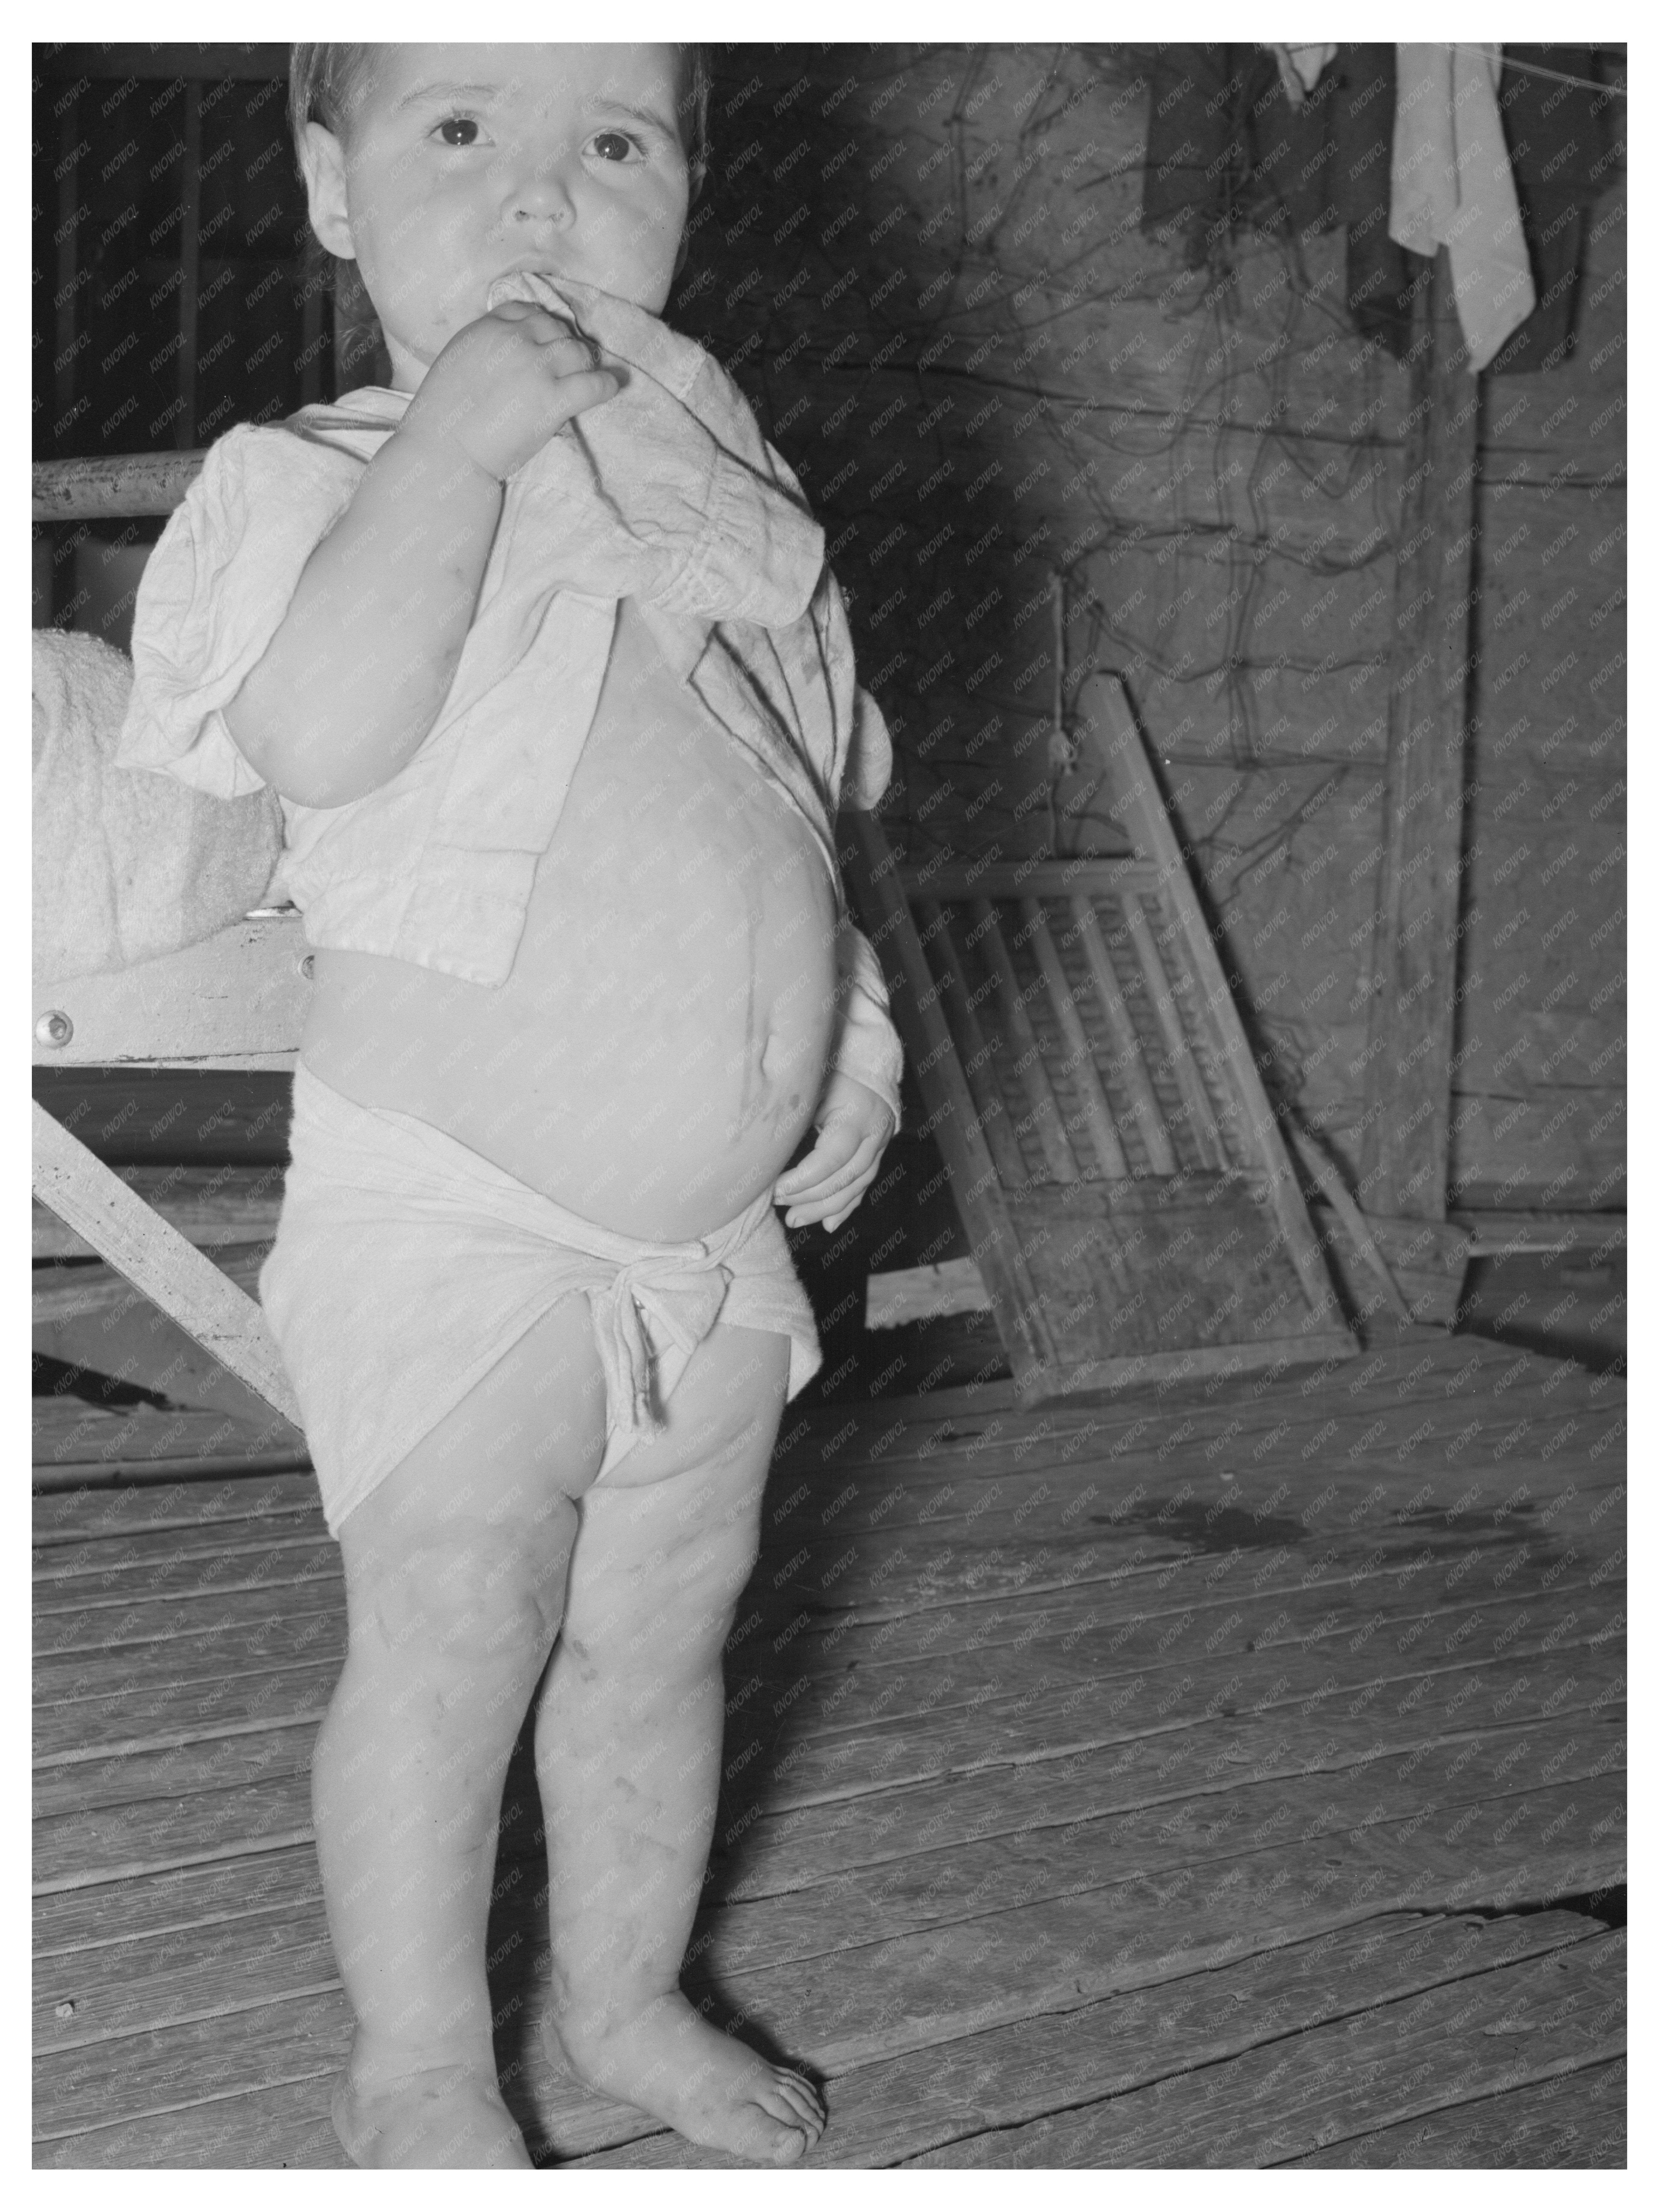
{"x": 854, "y": 1126}
{"x": 505, "y": 384}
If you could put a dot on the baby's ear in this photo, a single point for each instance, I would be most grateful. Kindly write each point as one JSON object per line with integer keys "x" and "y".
{"x": 322, "y": 157}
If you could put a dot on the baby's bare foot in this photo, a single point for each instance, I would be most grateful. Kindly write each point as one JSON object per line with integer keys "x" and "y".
{"x": 442, "y": 2116}
{"x": 712, "y": 2089}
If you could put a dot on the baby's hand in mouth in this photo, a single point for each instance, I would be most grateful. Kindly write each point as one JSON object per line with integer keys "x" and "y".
{"x": 533, "y": 288}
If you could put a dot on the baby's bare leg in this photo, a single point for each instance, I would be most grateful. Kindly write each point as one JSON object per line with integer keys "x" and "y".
{"x": 455, "y": 1576}
{"x": 628, "y": 1752}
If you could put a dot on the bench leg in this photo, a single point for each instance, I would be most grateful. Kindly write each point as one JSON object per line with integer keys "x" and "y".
{"x": 157, "y": 1261}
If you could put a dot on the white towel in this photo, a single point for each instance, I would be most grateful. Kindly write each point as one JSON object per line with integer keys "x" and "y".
{"x": 1452, "y": 186}
{"x": 127, "y": 865}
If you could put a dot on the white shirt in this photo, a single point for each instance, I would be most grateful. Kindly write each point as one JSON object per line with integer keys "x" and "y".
{"x": 668, "y": 495}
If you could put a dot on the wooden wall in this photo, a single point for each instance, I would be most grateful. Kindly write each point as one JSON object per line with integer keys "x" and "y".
{"x": 1538, "y": 1089}
{"x": 926, "y": 264}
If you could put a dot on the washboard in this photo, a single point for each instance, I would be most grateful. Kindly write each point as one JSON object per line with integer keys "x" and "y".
{"x": 1112, "y": 1156}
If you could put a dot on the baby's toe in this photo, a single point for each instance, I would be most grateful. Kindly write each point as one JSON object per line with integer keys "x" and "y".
{"x": 790, "y": 2099}
{"x": 790, "y": 2144}
{"x": 807, "y": 2102}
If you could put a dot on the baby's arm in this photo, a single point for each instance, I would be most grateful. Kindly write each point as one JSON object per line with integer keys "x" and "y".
{"x": 358, "y": 672}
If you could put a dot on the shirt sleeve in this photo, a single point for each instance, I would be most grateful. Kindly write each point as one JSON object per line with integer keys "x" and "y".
{"x": 858, "y": 770}
{"x": 214, "y": 593}
{"x": 867, "y": 1045}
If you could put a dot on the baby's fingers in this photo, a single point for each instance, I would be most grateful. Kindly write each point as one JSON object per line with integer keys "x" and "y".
{"x": 574, "y": 393}
{"x": 824, "y": 1184}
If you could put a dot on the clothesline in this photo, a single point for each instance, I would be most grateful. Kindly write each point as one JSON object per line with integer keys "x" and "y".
{"x": 1537, "y": 68}
{"x": 1527, "y": 69}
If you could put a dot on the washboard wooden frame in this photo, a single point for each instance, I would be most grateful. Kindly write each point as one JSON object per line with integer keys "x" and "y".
{"x": 1117, "y": 1165}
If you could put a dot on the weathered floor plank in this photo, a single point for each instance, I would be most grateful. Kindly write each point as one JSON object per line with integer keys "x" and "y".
{"x": 851, "y": 1673}
{"x": 259, "y": 1785}
{"x": 1162, "y": 1731}
{"x": 1240, "y": 1865}
{"x": 898, "y": 2107}
{"x": 1517, "y": 2027}
{"x": 901, "y": 2107}
{"x": 1573, "y": 2119}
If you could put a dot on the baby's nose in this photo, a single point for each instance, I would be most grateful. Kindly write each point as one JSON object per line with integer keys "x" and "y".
{"x": 539, "y": 191}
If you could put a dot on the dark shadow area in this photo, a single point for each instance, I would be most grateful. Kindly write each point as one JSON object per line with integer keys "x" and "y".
{"x": 1606, "y": 1906}
{"x": 172, "y": 1116}
{"x": 1571, "y": 1305}
{"x": 56, "y": 1378}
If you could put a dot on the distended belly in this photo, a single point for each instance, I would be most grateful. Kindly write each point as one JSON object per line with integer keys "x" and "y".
{"x": 654, "y": 1057}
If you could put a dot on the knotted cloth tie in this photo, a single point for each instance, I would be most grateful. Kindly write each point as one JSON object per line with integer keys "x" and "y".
{"x": 681, "y": 1301}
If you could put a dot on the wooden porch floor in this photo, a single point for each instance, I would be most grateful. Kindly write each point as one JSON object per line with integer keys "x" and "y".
{"x": 1230, "y": 1776}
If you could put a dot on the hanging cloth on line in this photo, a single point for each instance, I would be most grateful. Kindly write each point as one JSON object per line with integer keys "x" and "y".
{"x": 1225, "y": 147}
{"x": 1562, "y": 142}
{"x": 1451, "y": 186}
{"x": 1300, "y": 68}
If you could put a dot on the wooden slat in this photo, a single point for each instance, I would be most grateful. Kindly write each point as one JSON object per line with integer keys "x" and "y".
{"x": 978, "y": 1067}
{"x": 778, "y": 1850}
{"x": 900, "y": 2106}
{"x": 99, "y": 1205}
{"x": 1127, "y": 1062}
{"x": 293, "y": 1557}
{"x": 1109, "y": 722}
{"x": 296, "y": 2034}
{"x": 954, "y": 883}
{"x": 1414, "y": 954}
{"x": 208, "y": 1205}
{"x": 1325, "y": 1174}
{"x": 1029, "y": 1070}
{"x": 893, "y": 2107}
{"x": 281, "y": 2122}
{"x": 1492, "y": 1231}
{"x": 1575, "y": 2118}
{"x": 148, "y": 1830}
{"x": 955, "y": 1124}
{"x": 1097, "y": 1110}
{"x": 1030, "y": 1902}
{"x": 236, "y": 999}
{"x": 73, "y": 1293}
{"x": 1274, "y": 2103}
{"x": 99, "y": 1515}
{"x": 1203, "y": 1133}
{"x": 113, "y": 484}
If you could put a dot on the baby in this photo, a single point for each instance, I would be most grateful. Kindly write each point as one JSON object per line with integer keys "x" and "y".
{"x": 539, "y": 650}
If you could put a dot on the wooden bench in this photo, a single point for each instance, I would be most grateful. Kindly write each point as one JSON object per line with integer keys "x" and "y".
{"x": 236, "y": 1000}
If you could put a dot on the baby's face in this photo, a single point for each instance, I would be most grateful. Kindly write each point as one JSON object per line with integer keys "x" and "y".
{"x": 463, "y": 163}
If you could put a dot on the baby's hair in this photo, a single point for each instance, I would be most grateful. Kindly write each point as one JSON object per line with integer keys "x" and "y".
{"x": 325, "y": 84}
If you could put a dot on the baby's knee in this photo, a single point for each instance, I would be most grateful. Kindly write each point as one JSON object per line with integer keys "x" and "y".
{"x": 486, "y": 1592}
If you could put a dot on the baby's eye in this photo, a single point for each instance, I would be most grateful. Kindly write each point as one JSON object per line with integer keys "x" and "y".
{"x": 458, "y": 124}
{"x": 615, "y": 145}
